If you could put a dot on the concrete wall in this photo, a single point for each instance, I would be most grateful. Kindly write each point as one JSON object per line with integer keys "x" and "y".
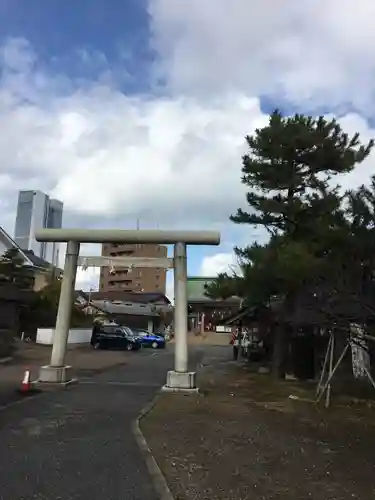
{"x": 76, "y": 336}
{"x": 40, "y": 280}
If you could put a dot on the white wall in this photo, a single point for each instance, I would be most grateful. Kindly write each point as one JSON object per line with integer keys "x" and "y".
{"x": 76, "y": 336}
{"x": 223, "y": 329}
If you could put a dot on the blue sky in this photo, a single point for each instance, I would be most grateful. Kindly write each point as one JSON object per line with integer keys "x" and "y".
{"x": 112, "y": 33}
{"x": 136, "y": 108}
{"x": 56, "y": 29}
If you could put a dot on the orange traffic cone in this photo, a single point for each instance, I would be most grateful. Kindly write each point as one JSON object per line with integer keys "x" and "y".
{"x": 26, "y": 382}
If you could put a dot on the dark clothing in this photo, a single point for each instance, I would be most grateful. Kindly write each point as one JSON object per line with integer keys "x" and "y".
{"x": 94, "y": 334}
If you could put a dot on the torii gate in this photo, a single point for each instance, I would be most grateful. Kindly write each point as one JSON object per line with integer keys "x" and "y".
{"x": 179, "y": 378}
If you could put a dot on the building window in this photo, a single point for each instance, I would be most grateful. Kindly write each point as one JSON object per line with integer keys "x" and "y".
{"x": 121, "y": 282}
{"x": 122, "y": 272}
{"x": 139, "y": 273}
{"x": 157, "y": 277}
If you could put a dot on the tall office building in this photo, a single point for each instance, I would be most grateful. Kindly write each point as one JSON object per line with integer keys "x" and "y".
{"x": 147, "y": 279}
{"x": 36, "y": 210}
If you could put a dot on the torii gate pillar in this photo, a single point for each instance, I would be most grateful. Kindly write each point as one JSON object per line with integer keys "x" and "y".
{"x": 179, "y": 378}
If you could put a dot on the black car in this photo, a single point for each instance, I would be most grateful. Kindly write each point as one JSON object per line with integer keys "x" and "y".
{"x": 115, "y": 337}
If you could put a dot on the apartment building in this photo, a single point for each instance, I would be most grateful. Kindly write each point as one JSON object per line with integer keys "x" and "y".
{"x": 147, "y": 280}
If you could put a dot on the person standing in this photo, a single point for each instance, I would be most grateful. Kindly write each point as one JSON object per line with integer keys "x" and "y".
{"x": 236, "y": 340}
{"x": 95, "y": 331}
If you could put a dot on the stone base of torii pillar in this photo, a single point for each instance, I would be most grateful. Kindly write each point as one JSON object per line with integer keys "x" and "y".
{"x": 177, "y": 382}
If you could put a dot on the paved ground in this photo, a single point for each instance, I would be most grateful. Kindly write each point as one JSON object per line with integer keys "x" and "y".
{"x": 208, "y": 339}
{"x": 77, "y": 444}
{"x": 31, "y": 356}
{"x": 244, "y": 439}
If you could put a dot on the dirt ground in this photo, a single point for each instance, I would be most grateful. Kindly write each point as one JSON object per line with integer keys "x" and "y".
{"x": 244, "y": 438}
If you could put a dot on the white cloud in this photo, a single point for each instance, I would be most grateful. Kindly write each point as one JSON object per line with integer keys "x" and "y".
{"x": 212, "y": 265}
{"x": 313, "y": 52}
{"x": 174, "y": 160}
{"x": 85, "y": 279}
{"x": 169, "y": 292}
{"x": 104, "y": 153}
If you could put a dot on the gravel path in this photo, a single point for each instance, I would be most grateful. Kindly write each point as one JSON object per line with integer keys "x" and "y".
{"x": 228, "y": 445}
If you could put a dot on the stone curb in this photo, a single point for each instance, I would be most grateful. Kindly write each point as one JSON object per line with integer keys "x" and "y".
{"x": 157, "y": 477}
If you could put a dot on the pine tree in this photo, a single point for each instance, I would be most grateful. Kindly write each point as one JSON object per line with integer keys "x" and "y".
{"x": 289, "y": 172}
{"x": 14, "y": 271}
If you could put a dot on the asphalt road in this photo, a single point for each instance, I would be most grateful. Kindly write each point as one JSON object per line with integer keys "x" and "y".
{"x": 77, "y": 443}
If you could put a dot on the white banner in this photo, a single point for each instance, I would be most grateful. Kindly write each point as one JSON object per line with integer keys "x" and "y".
{"x": 360, "y": 352}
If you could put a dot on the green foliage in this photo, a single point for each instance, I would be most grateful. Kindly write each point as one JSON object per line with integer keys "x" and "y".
{"x": 13, "y": 271}
{"x": 49, "y": 296}
{"x": 288, "y": 168}
{"x": 223, "y": 287}
{"x": 289, "y": 171}
{"x": 42, "y": 312}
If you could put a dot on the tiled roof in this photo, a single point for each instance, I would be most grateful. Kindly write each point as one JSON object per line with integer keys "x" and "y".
{"x": 129, "y": 309}
{"x": 37, "y": 261}
{"x": 139, "y": 297}
{"x": 196, "y": 288}
{"x": 12, "y": 244}
{"x": 30, "y": 258}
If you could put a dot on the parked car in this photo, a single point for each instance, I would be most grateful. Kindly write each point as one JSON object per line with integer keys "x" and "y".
{"x": 116, "y": 337}
{"x": 150, "y": 339}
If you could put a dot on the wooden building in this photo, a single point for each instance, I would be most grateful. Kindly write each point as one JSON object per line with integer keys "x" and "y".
{"x": 206, "y": 313}
{"x": 11, "y": 302}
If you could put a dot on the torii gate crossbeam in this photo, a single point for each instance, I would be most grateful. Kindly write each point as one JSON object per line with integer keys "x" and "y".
{"x": 179, "y": 378}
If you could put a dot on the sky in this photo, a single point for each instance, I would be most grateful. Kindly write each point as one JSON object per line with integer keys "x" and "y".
{"x": 129, "y": 109}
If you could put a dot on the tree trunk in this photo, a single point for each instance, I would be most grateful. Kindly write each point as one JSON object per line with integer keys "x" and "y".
{"x": 303, "y": 355}
{"x": 282, "y": 337}
{"x": 280, "y": 351}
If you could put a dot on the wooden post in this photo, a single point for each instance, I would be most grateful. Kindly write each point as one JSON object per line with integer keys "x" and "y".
{"x": 331, "y": 354}
{"x": 328, "y": 350}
